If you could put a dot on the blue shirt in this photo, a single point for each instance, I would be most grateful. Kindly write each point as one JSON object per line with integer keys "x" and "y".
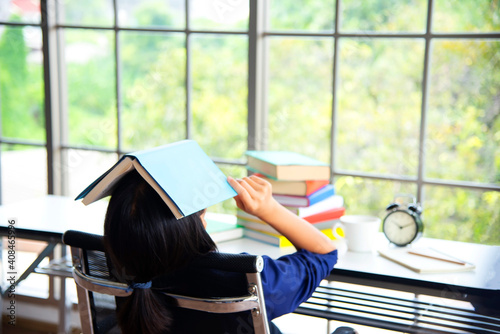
{"x": 287, "y": 282}
{"x": 292, "y": 279}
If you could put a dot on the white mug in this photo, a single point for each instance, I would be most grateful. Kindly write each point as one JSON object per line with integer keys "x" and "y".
{"x": 360, "y": 232}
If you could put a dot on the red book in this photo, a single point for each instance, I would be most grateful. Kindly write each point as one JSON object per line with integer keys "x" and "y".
{"x": 326, "y": 215}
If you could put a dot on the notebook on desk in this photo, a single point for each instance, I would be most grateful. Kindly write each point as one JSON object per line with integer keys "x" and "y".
{"x": 426, "y": 260}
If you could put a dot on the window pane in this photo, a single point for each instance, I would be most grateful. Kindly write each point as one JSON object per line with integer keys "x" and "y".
{"x": 153, "y": 67}
{"x": 83, "y": 167}
{"x": 90, "y": 71}
{"x": 24, "y": 172}
{"x": 152, "y": 13}
{"x": 219, "y": 95}
{"x": 27, "y": 11}
{"x": 86, "y": 13}
{"x": 300, "y": 96}
{"x": 218, "y": 15}
{"x": 379, "y": 105}
{"x": 459, "y": 15}
{"x": 383, "y": 15}
{"x": 370, "y": 197}
{"x": 21, "y": 83}
{"x": 461, "y": 214}
{"x": 463, "y": 123}
{"x": 310, "y": 15}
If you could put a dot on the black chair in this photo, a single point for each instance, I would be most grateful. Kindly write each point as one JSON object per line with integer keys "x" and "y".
{"x": 100, "y": 292}
{"x": 95, "y": 283}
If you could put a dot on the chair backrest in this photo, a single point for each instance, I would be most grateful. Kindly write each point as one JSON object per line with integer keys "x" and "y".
{"x": 98, "y": 289}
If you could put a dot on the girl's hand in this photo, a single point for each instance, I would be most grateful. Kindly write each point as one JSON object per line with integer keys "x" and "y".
{"x": 254, "y": 196}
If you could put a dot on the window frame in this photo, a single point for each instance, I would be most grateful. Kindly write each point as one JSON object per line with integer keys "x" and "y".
{"x": 258, "y": 80}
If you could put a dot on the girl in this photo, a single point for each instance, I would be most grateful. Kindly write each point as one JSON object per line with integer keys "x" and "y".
{"x": 149, "y": 248}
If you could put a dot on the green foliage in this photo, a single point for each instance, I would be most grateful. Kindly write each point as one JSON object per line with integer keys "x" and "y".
{"x": 379, "y": 96}
{"x": 154, "y": 99}
{"x": 219, "y": 94}
{"x": 89, "y": 12}
{"x": 379, "y": 103}
{"x": 463, "y": 126}
{"x": 310, "y": 15}
{"x": 463, "y": 215}
{"x": 471, "y": 16}
{"x": 21, "y": 88}
{"x": 375, "y": 195}
{"x": 90, "y": 73}
{"x": 383, "y": 15}
{"x": 153, "y": 13}
{"x": 300, "y": 96}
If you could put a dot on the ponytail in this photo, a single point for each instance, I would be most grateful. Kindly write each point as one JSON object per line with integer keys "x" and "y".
{"x": 145, "y": 311}
{"x": 144, "y": 240}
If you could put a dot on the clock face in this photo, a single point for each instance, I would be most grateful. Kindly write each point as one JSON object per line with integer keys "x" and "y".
{"x": 400, "y": 227}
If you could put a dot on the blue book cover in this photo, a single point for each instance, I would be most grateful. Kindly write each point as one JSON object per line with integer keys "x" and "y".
{"x": 303, "y": 201}
{"x": 285, "y": 158}
{"x": 182, "y": 174}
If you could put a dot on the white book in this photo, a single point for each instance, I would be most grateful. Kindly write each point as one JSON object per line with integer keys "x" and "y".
{"x": 426, "y": 260}
{"x": 332, "y": 202}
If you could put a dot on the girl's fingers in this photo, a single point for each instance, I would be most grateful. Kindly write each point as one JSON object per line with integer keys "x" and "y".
{"x": 242, "y": 192}
{"x": 249, "y": 186}
{"x": 259, "y": 180}
{"x": 239, "y": 204}
{"x": 245, "y": 191}
{"x": 252, "y": 182}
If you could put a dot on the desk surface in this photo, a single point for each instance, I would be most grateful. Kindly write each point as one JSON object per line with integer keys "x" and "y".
{"x": 48, "y": 217}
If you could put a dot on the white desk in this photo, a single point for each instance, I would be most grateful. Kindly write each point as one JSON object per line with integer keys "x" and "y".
{"x": 48, "y": 217}
{"x": 353, "y": 267}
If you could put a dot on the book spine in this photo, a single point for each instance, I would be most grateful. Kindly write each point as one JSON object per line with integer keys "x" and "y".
{"x": 332, "y": 202}
{"x": 276, "y": 240}
{"x": 326, "y": 215}
{"x": 321, "y": 194}
{"x": 314, "y": 185}
{"x": 305, "y": 201}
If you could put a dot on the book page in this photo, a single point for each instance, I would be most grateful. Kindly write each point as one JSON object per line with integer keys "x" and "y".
{"x": 104, "y": 185}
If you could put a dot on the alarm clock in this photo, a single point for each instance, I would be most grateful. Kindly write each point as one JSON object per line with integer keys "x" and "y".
{"x": 403, "y": 225}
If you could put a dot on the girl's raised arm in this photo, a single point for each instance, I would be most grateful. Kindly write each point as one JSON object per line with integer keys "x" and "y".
{"x": 255, "y": 197}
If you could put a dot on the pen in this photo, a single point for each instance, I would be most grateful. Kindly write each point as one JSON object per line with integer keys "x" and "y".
{"x": 437, "y": 258}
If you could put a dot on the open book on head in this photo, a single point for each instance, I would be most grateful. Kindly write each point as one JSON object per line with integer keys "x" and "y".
{"x": 181, "y": 173}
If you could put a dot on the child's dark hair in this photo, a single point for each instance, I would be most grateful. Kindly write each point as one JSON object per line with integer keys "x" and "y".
{"x": 145, "y": 240}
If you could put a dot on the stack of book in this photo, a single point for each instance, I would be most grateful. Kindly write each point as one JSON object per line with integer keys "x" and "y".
{"x": 301, "y": 184}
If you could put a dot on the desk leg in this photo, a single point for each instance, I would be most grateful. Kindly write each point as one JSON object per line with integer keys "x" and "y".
{"x": 45, "y": 252}
{"x": 64, "y": 305}
{"x": 3, "y": 292}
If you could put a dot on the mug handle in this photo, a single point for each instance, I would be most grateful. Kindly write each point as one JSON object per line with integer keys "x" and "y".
{"x": 334, "y": 230}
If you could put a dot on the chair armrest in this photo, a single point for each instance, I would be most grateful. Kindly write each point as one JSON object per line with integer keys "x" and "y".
{"x": 83, "y": 240}
{"x": 239, "y": 263}
{"x": 101, "y": 285}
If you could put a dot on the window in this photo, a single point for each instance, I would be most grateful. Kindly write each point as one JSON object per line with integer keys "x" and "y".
{"x": 398, "y": 96}
{"x": 21, "y": 102}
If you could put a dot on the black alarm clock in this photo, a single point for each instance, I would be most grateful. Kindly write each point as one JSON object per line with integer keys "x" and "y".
{"x": 403, "y": 225}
